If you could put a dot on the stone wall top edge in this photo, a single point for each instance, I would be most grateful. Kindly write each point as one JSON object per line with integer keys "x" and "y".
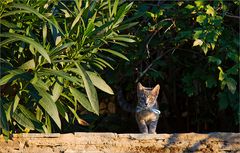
{"x": 126, "y": 135}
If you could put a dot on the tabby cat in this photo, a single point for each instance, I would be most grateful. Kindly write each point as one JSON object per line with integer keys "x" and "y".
{"x": 146, "y": 112}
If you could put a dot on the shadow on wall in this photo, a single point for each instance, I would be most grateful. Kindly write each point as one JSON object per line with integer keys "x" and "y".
{"x": 212, "y": 142}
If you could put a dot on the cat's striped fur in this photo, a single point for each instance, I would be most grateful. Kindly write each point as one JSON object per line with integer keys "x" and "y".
{"x": 146, "y": 112}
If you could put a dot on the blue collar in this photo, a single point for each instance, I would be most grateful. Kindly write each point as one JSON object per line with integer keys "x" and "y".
{"x": 156, "y": 111}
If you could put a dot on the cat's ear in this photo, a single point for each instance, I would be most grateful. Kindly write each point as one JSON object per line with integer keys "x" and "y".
{"x": 140, "y": 86}
{"x": 156, "y": 90}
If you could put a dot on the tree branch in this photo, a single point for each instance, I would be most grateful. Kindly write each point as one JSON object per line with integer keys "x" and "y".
{"x": 232, "y": 16}
{"x": 150, "y": 65}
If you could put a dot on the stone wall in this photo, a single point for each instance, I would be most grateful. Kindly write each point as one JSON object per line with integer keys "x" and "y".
{"x": 121, "y": 143}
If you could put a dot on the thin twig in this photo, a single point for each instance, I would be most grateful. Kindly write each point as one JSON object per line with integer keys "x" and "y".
{"x": 150, "y": 65}
{"x": 155, "y": 32}
{"x": 232, "y": 16}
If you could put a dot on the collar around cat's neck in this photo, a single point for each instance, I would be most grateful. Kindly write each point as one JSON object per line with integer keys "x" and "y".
{"x": 156, "y": 111}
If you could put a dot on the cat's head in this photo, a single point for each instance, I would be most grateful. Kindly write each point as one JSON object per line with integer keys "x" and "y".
{"x": 147, "y": 96}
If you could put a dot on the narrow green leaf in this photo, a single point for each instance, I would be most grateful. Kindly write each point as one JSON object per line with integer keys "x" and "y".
{"x": 57, "y": 89}
{"x": 101, "y": 29}
{"x": 48, "y": 104}
{"x": 115, "y": 5}
{"x": 62, "y": 110}
{"x": 38, "y": 82}
{"x": 75, "y": 21}
{"x": 6, "y": 79}
{"x": 7, "y": 41}
{"x": 90, "y": 89}
{"x": 98, "y": 65}
{"x": 122, "y": 12}
{"x": 8, "y": 24}
{"x": 104, "y": 62}
{"x": 90, "y": 25}
{"x": 39, "y": 114}
{"x": 81, "y": 98}
{"x": 68, "y": 98}
{"x": 23, "y": 120}
{"x": 80, "y": 121}
{"x": 109, "y": 8}
{"x": 78, "y": 4}
{"x": 114, "y": 53}
{"x": 59, "y": 73}
{"x": 3, "y": 118}
{"x": 16, "y": 102}
{"x": 55, "y": 51}
{"x": 37, "y": 124}
{"x": 67, "y": 15}
{"x": 12, "y": 73}
{"x": 48, "y": 124}
{"x": 120, "y": 38}
{"x": 44, "y": 34}
{"x": 127, "y": 26}
{"x": 99, "y": 82}
{"x": 26, "y": 39}
{"x": 34, "y": 11}
{"x": 9, "y": 13}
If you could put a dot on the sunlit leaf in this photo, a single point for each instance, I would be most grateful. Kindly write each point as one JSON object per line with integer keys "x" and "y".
{"x": 77, "y": 19}
{"x": 210, "y": 10}
{"x": 90, "y": 25}
{"x": 57, "y": 89}
{"x": 99, "y": 82}
{"x": 198, "y": 42}
{"x": 32, "y": 10}
{"x": 201, "y": 18}
{"x": 12, "y": 73}
{"x": 115, "y": 5}
{"x": 59, "y": 73}
{"x": 28, "y": 65}
{"x": 221, "y": 74}
{"x": 44, "y": 32}
{"x": 120, "y": 38}
{"x": 90, "y": 89}
{"x": 29, "y": 40}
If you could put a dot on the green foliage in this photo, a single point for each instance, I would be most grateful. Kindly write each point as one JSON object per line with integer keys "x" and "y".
{"x": 192, "y": 49}
{"x": 51, "y": 53}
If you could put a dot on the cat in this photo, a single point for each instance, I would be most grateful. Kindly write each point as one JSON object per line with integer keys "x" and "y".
{"x": 147, "y": 111}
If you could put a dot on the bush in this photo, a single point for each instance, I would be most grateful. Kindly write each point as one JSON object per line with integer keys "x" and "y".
{"x": 51, "y": 56}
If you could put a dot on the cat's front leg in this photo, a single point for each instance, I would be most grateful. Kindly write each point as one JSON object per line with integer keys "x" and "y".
{"x": 142, "y": 126}
{"x": 153, "y": 127}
